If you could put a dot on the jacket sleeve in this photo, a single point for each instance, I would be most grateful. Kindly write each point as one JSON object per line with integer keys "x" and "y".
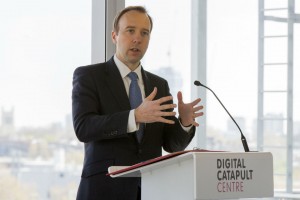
{"x": 90, "y": 123}
{"x": 174, "y": 137}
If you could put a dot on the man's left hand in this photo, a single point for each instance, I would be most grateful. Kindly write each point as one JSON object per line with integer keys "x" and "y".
{"x": 189, "y": 112}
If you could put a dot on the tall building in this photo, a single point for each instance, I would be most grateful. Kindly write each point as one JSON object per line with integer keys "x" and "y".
{"x": 7, "y": 127}
{"x": 173, "y": 77}
{"x": 274, "y": 126}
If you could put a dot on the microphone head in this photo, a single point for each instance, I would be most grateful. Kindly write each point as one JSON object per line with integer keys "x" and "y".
{"x": 197, "y": 83}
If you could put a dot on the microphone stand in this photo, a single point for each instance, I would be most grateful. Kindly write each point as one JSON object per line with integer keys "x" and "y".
{"x": 243, "y": 138}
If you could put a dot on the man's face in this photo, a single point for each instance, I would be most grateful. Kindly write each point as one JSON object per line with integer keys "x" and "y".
{"x": 132, "y": 39}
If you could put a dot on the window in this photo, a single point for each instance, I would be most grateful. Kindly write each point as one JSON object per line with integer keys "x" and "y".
{"x": 41, "y": 45}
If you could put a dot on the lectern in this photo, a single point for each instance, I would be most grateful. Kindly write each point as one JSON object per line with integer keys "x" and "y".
{"x": 193, "y": 175}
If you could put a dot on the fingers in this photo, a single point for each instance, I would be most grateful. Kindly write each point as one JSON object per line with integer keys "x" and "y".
{"x": 179, "y": 97}
{"x": 164, "y": 114}
{"x": 195, "y": 109}
{"x": 166, "y": 121}
{"x": 152, "y": 95}
{"x": 153, "y": 116}
{"x": 164, "y": 99}
{"x": 194, "y": 123}
{"x": 160, "y": 118}
{"x": 198, "y": 115}
{"x": 167, "y": 106}
{"x": 155, "y": 110}
{"x": 190, "y": 111}
{"x": 159, "y": 101}
{"x": 195, "y": 102}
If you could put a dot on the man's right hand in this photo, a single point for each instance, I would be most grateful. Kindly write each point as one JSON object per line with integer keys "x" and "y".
{"x": 152, "y": 111}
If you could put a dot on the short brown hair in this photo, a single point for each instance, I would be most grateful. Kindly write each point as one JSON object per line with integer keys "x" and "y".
{"x": 140, "y": 9}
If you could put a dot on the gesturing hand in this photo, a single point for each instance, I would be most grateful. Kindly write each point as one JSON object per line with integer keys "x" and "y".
{"x": 188, "y": 112}
{"x": 153, "y": 111}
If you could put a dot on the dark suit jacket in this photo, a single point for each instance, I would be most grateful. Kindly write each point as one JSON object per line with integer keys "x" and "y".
{"x": 100, "y": 116}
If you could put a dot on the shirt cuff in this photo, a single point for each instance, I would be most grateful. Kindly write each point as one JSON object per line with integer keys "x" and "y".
{"x": 132, "y": 125}
{"x": 185, "y": 128}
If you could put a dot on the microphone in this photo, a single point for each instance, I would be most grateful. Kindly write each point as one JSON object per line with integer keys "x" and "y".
{"x": 244, "y": 141}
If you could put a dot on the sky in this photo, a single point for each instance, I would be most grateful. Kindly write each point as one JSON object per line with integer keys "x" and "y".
{"x": 41, "y": 45}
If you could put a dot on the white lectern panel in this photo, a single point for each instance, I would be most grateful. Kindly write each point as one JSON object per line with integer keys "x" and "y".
{"x": 206, "y": 175}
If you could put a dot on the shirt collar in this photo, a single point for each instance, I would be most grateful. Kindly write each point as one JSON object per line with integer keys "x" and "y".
{"x": 124, "y": 70}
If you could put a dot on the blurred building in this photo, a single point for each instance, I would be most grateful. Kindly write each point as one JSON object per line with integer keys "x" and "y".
{"x": 173, "y": 77}
{"x": 274, "y": 126}
{"x": 7, "y": 127}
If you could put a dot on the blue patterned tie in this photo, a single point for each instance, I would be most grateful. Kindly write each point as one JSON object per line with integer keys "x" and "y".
{"x": 135, "y": 98}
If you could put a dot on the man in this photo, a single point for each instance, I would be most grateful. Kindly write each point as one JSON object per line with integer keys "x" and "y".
{"x": 113, "y": 131}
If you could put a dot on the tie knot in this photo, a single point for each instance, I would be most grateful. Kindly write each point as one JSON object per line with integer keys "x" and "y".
{"x": 133, "y": 76}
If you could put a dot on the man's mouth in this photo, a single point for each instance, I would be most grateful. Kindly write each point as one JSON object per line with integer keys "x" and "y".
{"x": 135, "y": 49}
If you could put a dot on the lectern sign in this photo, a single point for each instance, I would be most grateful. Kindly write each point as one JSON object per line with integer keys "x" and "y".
{"x": 232, "y": 172}
{"x": 234, "y": 175}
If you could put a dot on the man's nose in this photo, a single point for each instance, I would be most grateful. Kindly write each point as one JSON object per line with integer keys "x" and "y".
{"x": 137, "y": 38}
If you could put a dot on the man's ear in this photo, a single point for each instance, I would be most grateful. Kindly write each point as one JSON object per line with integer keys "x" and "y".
{"x": 113, "y": 37}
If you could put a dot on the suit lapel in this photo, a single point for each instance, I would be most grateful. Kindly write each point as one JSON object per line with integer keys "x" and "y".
{"x": 116, "y": 85}
{"x": 147, "y": 83}
{"x": 148, "y": 89}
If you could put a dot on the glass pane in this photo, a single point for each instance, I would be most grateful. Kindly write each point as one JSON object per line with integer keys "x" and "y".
{"x": 276, "y": 4}
{"x": 296, "y": 165}
{"x": 275, "y": 77}
{"x": 297, "y": 6}
{"x": 275, "y": 29}
{"x": 296, "y": 153}
{"x": 275, "y": 132}
{"x": 42, "y": 42}
{"x": 275, "y": 105}
{"x": 276, "y": 50}
{"x": 296, "y": 75}
{"x": 279, "y": 167}
{"x": 232, "y": 70}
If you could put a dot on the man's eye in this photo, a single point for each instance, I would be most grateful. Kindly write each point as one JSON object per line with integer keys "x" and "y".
{"x": 145, "y": 33}
{"x": 130, "y": 30}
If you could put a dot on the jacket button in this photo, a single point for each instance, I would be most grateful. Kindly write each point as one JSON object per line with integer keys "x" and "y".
{"x": 140, "y": 151}
{"x": 113, "y": 133}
